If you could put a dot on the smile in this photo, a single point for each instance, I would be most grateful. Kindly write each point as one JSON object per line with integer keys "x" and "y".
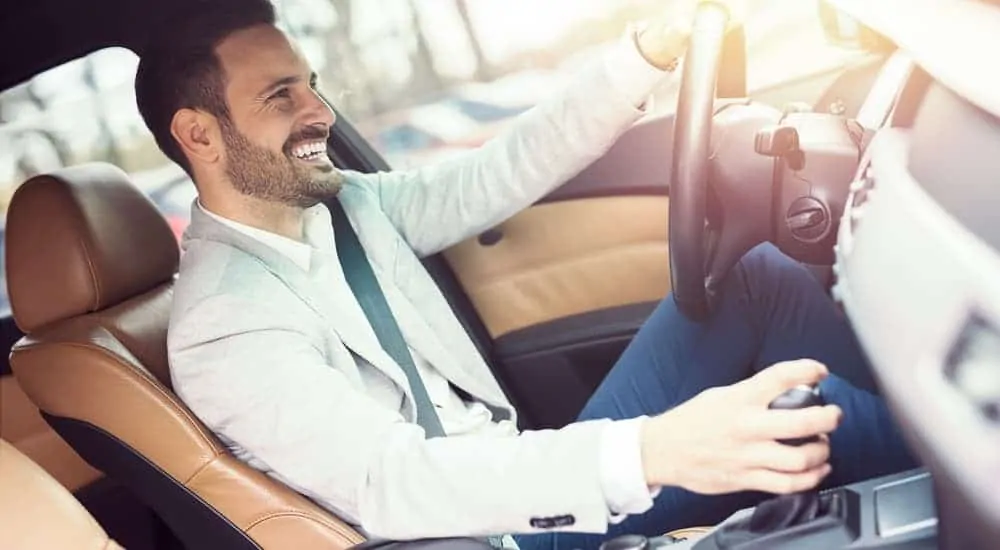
{"x": 310, "y": 151}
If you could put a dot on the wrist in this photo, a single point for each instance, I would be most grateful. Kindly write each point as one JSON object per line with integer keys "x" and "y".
{"x": 657, "y": 459}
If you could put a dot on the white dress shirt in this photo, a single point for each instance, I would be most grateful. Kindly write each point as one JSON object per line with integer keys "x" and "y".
{"x": 622, "y": 477}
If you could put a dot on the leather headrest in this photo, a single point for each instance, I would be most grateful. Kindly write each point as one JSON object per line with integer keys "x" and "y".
{"x": 82, "y": 239}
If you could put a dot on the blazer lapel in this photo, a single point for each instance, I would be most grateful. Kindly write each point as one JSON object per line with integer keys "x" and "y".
{"x": 422, "y": 338}
{"x": 419, "y": 334}
{"x": 329, "y": 302}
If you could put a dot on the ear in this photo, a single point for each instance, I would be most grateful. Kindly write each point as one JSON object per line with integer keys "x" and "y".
{"x": 198, "y": 134}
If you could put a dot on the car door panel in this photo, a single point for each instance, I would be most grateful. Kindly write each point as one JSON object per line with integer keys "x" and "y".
{"x": 554, "y": 367}
{"x": 637, "y": 164}
{"x": 562, "y": 286}
{"x": 564, "y": 258}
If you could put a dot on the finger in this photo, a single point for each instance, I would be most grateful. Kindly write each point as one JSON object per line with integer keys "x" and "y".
{"x": 774, "y": 424}
{"x": 783, "y": 458}
{"x": 775, "y": 380}
{"x": 783, "y": 483}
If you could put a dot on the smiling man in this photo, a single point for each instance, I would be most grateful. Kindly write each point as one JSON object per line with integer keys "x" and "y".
{"x": 397, "y": 424}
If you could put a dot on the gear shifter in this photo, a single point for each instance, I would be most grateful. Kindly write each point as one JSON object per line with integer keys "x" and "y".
{"x": 789, "y": 521}
{"x": 799, "y": 397}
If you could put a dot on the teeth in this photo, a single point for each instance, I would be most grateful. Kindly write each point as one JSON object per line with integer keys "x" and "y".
{"x": 307, "y": 150}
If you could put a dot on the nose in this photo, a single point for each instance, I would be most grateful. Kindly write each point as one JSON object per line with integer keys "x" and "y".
{"x": 319, "y": 111}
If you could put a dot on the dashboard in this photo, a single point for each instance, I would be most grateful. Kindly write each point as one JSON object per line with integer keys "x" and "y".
{"x": 917, "y": 271}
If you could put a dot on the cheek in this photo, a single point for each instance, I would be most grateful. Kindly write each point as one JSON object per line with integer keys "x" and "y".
{"x": 274, "y": 138}
{"x": 270, "y": 135}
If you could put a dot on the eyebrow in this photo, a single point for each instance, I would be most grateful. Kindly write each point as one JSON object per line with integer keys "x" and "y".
{"x": 286, "y": 81}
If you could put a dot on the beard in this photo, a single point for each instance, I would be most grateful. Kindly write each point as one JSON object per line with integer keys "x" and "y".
{"x": 263, "y": 174}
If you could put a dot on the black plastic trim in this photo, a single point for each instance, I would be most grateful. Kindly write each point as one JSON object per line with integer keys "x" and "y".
{"x": 580, "y": 329}
{"x": 556, "y": 366}
{"x": 126, "y": 519}
{"x": 195, "y": 522}
{"x": 637, "y": 164}
{"x": 9, "y": 335}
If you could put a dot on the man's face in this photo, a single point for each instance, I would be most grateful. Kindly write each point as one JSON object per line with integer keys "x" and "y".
{"x": 275, "y": 138}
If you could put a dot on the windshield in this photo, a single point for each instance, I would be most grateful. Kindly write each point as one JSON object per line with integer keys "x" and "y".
{"x": 422, "y": 80}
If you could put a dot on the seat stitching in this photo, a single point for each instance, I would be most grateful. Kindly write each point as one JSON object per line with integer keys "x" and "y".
{"x": 195, "y": 423}
{"x": 93, "y": 274}
{"x": 340, "y": 529}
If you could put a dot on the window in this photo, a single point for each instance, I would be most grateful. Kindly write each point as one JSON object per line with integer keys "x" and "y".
{"x": 421, "y": 79}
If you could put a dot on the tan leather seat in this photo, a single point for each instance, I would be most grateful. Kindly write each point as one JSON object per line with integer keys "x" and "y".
{"x": 91, "y": 264}
{"x": 38, "y": 513}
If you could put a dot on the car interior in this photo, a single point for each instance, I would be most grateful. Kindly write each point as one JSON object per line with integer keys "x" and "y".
{"x": 40, "y": 513}
{"x": 880, "y": 176}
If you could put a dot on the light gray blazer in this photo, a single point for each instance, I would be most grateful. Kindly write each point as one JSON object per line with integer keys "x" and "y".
{"x": 268, "y": 357}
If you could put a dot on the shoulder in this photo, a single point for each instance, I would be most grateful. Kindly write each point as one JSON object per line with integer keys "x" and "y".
{"x": 218, "y": 279}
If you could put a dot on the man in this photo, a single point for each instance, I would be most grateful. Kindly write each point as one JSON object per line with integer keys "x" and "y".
{"x": 273, "y": 352}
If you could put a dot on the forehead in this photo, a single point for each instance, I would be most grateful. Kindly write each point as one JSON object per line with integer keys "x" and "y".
{"x": 257, "y": 56}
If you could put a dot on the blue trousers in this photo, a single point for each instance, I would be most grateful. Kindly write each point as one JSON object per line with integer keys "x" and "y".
{"x": 771, "y": 309}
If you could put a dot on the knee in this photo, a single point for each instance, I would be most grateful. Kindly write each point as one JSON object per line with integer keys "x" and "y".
{"x": 766, "y": 268}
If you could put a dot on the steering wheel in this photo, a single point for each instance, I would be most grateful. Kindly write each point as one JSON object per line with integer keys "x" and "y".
{"x": 691, "y": 248}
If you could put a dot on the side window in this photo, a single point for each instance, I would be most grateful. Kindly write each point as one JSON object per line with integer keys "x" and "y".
{"x": 425, "y": 80}
{"x": 422, "y": 80}
{"x": 79, "y": 112}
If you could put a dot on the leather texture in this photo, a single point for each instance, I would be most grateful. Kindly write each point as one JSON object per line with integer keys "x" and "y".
{"x": 101, "y": 245}
{"x": 689, "y": 533}
{"x": 22, "y": 426}
{"x": 559, "y": 259}
{"x": 38, "y": 513}
{"x": 95, "y": 349}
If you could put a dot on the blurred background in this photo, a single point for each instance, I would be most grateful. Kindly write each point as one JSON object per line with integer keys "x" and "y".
{"x": 421, "y": 79}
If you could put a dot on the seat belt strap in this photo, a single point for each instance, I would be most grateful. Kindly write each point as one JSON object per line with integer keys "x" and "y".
{"x": 361, "y": 278}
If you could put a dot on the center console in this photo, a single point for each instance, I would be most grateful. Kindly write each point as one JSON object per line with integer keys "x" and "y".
{"x": 892, "y": 512}
{"x": 896, "y": 511}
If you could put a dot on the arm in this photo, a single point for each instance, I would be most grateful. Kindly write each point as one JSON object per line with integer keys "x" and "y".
{"x": 436, "y": 206}
{"x": 257, "y": 380}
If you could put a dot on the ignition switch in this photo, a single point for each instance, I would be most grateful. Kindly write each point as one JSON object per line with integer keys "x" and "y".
{"x": 808, "y": 219}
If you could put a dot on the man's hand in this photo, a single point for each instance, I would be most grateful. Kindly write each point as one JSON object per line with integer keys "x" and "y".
{"x": 664, "y": 40}
{"x": 724, "y": 439}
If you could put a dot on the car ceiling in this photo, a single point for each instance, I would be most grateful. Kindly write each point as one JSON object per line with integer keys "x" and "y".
{"x": 36, "y": 35}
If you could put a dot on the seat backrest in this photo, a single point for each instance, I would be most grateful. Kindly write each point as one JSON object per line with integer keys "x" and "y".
{"x": 91, "y": 264}
{"x": 38, "y": 513}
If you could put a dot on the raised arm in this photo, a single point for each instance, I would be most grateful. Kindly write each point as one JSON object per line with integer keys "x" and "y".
{"x": 439, "y": 205}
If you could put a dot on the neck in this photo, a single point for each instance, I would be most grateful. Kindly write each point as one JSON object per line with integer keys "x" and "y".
{"x": 280, "y": 219}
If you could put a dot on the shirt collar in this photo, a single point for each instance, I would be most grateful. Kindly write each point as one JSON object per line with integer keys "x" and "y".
{"x": 298, "y": 252}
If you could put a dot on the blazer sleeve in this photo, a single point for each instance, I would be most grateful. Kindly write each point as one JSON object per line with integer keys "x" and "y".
{"x": 255, "y": 378}
{"x": 438, "y": 205}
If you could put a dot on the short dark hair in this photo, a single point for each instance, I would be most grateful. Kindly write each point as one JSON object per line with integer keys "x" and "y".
{"x": 178, "y": 68}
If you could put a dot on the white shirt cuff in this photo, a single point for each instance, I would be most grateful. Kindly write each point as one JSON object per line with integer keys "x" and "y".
{"x": 632, "y": 76}
{"x": 622, "y": 477}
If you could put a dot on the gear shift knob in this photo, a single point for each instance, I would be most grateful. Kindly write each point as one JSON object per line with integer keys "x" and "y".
{"x": 799, "y": 397}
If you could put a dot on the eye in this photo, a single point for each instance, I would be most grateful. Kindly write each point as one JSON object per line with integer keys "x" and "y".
{"x": 282, "y": 93}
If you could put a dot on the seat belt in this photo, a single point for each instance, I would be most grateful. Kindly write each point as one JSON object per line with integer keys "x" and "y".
{"x": 361, "y": 278}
